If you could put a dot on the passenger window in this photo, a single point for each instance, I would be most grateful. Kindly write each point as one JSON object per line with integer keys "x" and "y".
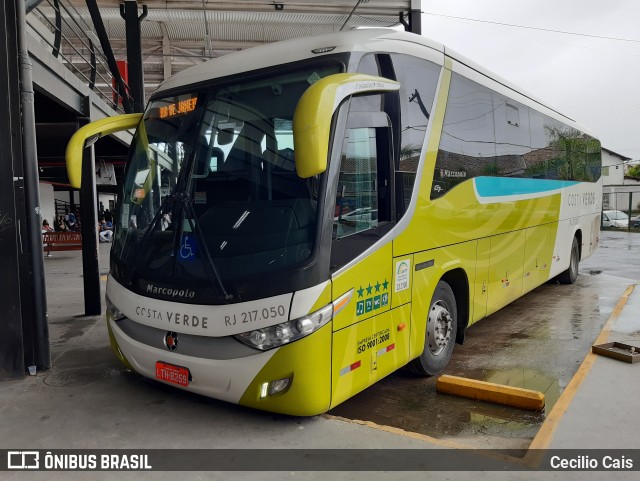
{"x": 418, "y": 81}
{"x": 364, "y": 206}
{"x": 513, "y": 115}
{"x": 468, "y": 143}
{"x": 369, "y": 65}
{"x": 357, "y": 198}
{"x": 562, "y": 152}
{"x": 511, "y": 120}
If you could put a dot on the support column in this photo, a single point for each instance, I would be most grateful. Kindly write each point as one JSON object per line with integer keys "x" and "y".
{"x": 129, "y": 12}
{"x": 34, "y": 295}
{"x": 11, "y": 181}
{"x": 166, "y": 52}
{"x": 24, "y": 319}
{"x": 88, "y": 201}
{"x": 101, "y": 32}
{"x": 415, "y": 17}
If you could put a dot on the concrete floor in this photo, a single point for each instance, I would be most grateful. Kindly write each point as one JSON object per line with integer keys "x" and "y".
{"x": 88, "y": 401}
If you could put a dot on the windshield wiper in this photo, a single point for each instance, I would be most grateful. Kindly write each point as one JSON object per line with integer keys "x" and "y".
{"x": 181, "y": 204}
{"x": 210, "y": 265}
{"x": 147, "y": 234}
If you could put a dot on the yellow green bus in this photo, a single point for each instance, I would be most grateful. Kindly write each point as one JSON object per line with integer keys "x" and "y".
{"x": 301, "y": 219}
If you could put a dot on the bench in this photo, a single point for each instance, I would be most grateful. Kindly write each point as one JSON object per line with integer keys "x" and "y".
{"x": 61, "y": 241}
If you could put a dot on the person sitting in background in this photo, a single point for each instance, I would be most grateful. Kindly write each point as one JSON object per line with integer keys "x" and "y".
{"x": 46, "y": 227}
{"x": 59, "y": 225}
{"x": 70, "y": 220}
{"x": 106, "y": 232}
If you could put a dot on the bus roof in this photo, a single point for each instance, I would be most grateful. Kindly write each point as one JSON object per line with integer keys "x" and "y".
{"x": 286, "y": 51}
{"x": 359, "y": 40}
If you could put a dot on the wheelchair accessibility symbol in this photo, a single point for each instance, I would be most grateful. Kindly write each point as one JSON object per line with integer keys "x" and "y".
{"x": 188, "y": 248}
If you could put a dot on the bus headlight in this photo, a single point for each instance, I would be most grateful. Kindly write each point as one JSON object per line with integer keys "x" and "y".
{"x": 274, "y": 336}
{"x": 283, "y": 333}
{"x": 113, "y": 312}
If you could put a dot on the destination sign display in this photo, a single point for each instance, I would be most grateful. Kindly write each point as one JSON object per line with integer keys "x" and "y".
{"x": 179, "y": 107}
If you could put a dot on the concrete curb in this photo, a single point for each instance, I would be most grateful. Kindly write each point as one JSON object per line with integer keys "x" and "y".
{"x": 488, "y": 391}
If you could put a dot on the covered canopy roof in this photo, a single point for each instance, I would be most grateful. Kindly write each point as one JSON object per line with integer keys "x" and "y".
{"x": 179, "y": 34}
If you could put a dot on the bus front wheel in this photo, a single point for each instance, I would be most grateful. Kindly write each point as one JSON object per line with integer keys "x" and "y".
{"x": 571, "y": 274}
{"x": 440, "y": 336}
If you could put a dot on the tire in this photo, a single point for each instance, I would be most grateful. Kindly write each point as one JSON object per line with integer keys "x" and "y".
{"x": 440, "y": 335}
{"x": 571, "y": 274}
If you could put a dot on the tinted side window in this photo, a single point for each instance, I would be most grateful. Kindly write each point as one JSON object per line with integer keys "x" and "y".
{"x": 511, "y": 120}
{"x": 419, "y": 80}
{"x": 369, "y": 65}
{"x": 357, "y": 196}
{"x": 467, "y": 146}
{"x": 488, "y": 134}
{"x": 364, "y": 207}
{"x": 562, "y": 152}
{"x": 409, "y": 109}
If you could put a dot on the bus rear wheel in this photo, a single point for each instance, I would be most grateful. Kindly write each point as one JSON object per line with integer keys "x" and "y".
{"x": 571, "y": 274}
{"x": 440, "y": 336}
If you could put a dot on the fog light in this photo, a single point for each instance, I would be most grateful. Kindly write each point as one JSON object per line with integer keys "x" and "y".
{"x": 274, "y": 387}
{"x": 278, "y": 386}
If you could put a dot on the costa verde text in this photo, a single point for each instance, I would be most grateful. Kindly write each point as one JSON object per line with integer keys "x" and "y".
{"x": 176, "y": 318}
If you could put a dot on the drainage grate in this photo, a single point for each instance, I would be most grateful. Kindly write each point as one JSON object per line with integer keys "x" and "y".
{"x": 619, "y": 351}
{"x": 77, "y": 376}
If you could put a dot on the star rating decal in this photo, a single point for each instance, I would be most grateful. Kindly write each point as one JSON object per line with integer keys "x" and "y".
{"x": 377, "y": 286}
{"x": 375, "y": 299}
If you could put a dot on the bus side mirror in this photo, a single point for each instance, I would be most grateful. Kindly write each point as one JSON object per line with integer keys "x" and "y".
{"x": 88, "y": 135}
{"x": 312, "y": 118}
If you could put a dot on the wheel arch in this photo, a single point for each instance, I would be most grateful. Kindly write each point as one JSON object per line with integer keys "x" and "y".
{"x": 459, "y": 283}
{"x": 578, "y": 235}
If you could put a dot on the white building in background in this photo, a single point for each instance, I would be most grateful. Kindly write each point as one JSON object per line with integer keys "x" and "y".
{"x": 616, "y": 186}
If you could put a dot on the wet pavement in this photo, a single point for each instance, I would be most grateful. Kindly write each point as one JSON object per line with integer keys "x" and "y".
{"x": 65, "y": 294}
{"x": 618, "y": 254}
{"x": 537, "y": 342}
{"x": 88, "y": 401}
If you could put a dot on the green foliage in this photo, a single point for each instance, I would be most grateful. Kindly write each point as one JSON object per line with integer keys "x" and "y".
{"x": 634, "y": 171}
{"x": 490, "y": 169}
{"x": 409, "y": 151}
{"x": 537, "y": 170}
{"x": 576, "y": 154}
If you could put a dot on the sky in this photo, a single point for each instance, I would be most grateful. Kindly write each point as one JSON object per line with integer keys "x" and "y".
{"x": 595, "y": 81}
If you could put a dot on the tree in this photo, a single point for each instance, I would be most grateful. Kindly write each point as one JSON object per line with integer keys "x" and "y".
{"x": 576, "y": 155}
{"x": 634, "y": 171}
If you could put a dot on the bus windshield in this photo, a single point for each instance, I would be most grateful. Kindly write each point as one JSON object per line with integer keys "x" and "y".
{"x": 211, "y": 196}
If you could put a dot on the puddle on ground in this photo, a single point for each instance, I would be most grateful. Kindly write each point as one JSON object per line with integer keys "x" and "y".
{"x": 412, "y": 404}
{"x": 538, "y": 342}
{"x": 528, "y": 379}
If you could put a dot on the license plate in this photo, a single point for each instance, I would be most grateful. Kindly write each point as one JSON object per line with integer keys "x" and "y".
{"x": 173, "y": 374}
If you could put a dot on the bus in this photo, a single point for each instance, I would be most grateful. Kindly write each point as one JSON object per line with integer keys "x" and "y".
{"x": 301, "y": 219}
